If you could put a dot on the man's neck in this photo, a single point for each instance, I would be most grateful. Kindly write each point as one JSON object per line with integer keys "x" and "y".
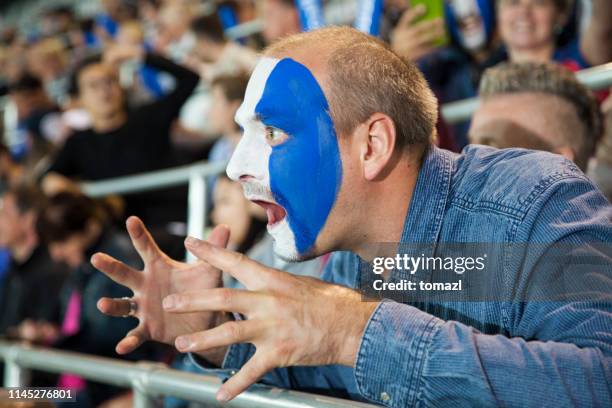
{"x": 536, "y": 54}
{"x": 109, "y": 122}
{"x": 387, "y": 209}
{"x": 22, "y": 251}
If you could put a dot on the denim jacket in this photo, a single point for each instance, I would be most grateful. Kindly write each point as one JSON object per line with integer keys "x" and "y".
{"x": 509, "y": 352}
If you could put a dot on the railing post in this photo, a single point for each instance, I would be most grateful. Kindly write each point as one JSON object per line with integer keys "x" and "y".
{"x": 196, "y": 211}
{"x": 14, "y": 374}
{"x": 142, "y": 399}
{"x": 143, "y": 396}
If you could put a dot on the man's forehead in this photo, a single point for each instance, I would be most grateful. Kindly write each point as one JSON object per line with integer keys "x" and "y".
{"x": 275, "y": 73}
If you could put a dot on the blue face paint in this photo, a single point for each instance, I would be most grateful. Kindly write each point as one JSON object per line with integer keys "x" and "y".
{"x": 305, "y": 170}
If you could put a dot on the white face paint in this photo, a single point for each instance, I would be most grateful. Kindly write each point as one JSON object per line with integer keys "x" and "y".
{"x": 470, "y": 24}
{"x": 249, "y": 163}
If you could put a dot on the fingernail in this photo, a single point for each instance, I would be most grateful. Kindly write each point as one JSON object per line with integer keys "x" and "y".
{"x": 182, "y": 343}
{"x": 192, "y": 242}
{"x": 169, "y": 302}
{"x": 222, "y": 396}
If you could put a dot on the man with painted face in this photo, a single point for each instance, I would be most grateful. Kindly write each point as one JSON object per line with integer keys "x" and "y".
{"x": 337, "y": 148}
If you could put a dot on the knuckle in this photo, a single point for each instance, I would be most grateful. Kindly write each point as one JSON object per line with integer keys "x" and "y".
{"x": 239, "y": 258}
{"x": 233, "y": 330}
{"x": 226, "y": 297}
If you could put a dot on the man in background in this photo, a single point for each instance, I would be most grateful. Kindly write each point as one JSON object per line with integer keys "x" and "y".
{"x": 537, "y": 106}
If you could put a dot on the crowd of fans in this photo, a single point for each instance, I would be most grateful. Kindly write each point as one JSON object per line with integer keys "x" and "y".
{"x": 150, "y": 84}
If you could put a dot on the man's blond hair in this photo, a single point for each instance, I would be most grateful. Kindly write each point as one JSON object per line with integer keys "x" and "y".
{"x": 366, "y": 77}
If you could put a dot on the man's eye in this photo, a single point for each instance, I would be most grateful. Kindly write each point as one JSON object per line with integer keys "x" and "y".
{"x": 275, "y": 136}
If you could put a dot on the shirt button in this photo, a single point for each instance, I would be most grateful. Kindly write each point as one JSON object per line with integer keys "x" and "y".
{"x": 232, "y": 372}
{"x": 384, "y": 397}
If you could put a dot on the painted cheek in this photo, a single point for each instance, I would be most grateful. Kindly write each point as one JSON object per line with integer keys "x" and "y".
{"x": 305, "y": 170}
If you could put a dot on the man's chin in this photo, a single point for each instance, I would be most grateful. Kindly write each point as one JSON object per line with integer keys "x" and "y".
{"x": 284, "y": 242}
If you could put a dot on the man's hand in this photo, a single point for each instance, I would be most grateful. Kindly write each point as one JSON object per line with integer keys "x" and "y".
{"x": 117, "y": 54}
{"x": 413, "y": 40}
{"x": 291, "y": 320}
{"x": 161, "y": 276}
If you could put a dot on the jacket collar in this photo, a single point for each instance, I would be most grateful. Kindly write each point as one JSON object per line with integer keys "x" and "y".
{"x": 427, "y": 206}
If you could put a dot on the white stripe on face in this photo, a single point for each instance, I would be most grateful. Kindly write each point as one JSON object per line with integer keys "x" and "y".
{"x": 250, "y": 161}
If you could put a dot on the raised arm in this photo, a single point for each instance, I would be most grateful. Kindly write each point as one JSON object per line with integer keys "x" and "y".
{"x": 596, "y": 41}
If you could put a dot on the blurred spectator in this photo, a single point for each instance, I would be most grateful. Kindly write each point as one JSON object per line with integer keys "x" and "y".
{"x": 452, "y": 71}
{"x": 114, "y": 13}
{"x": 280, "y": 19}
{"x": 227, "y": 93}
{"x": 56, "y": 20}
{"x": 216, "y": 54}
{"x": 31, "y": 275}
{"x": 11, "y": 172}
{"x": 75, "y": 227}
{"x": 174, "y": 38}
{"x": 545, "y": 101}
{"x": 48, "y": 60}
{"x": 123, "y": 142}
{"x": 600, "y": 170}
{"x": 213, "y": 56}
{"x": 530, "y": 31}
{"x": 40, "y": 126}
{"x": 145, "y": 83}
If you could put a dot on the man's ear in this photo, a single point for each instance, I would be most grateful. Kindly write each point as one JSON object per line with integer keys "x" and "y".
{"x": 377, "y": 145}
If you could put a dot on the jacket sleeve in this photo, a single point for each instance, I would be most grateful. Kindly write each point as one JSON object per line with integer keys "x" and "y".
{"x": 558, "y": 346}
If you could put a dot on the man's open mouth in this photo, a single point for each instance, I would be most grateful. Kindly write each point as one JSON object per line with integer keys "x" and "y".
{"x": 275, "y": 212}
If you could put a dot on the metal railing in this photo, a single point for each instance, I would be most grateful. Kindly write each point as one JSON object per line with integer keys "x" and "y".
{"x": 149, "y": 380}
{"x": 595, "y": 78}
{"x": 194, "y": 175}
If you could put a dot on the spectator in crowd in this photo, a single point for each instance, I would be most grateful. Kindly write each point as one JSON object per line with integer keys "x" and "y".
{"x": 174, "y": 38}
{"x": 543, "y": 99}
{"x": 74, "y": 227}
{"x": 33, "y": 281}
{"x": 281, "y": 18}
{"x": 453, "y": 71}
{"x": 11, "y": 172}
{"x": 39, "y": 120}
{"x": 145, "y": 84}
{"x": 49, "y": 61}
{"x": 227, "y": 92}
{"x": 56, "y": 20}
{"x": 386, "y": 183}
{"x": 215, "y": 54}
{"x": 601, "y": 169}
{"x": 123, "y": 142}
{"x": 529, "y": 31}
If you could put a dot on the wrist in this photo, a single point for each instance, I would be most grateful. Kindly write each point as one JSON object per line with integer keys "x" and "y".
{"x": 360, "y": 311}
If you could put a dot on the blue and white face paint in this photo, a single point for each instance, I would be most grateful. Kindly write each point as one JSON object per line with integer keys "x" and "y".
{"x": 469, "y": 22}
{"x": 288, "y": 159}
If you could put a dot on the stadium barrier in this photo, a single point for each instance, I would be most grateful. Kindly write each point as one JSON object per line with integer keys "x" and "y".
{"x": 150, "y": 381}
{"x": 194, "y": 175}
